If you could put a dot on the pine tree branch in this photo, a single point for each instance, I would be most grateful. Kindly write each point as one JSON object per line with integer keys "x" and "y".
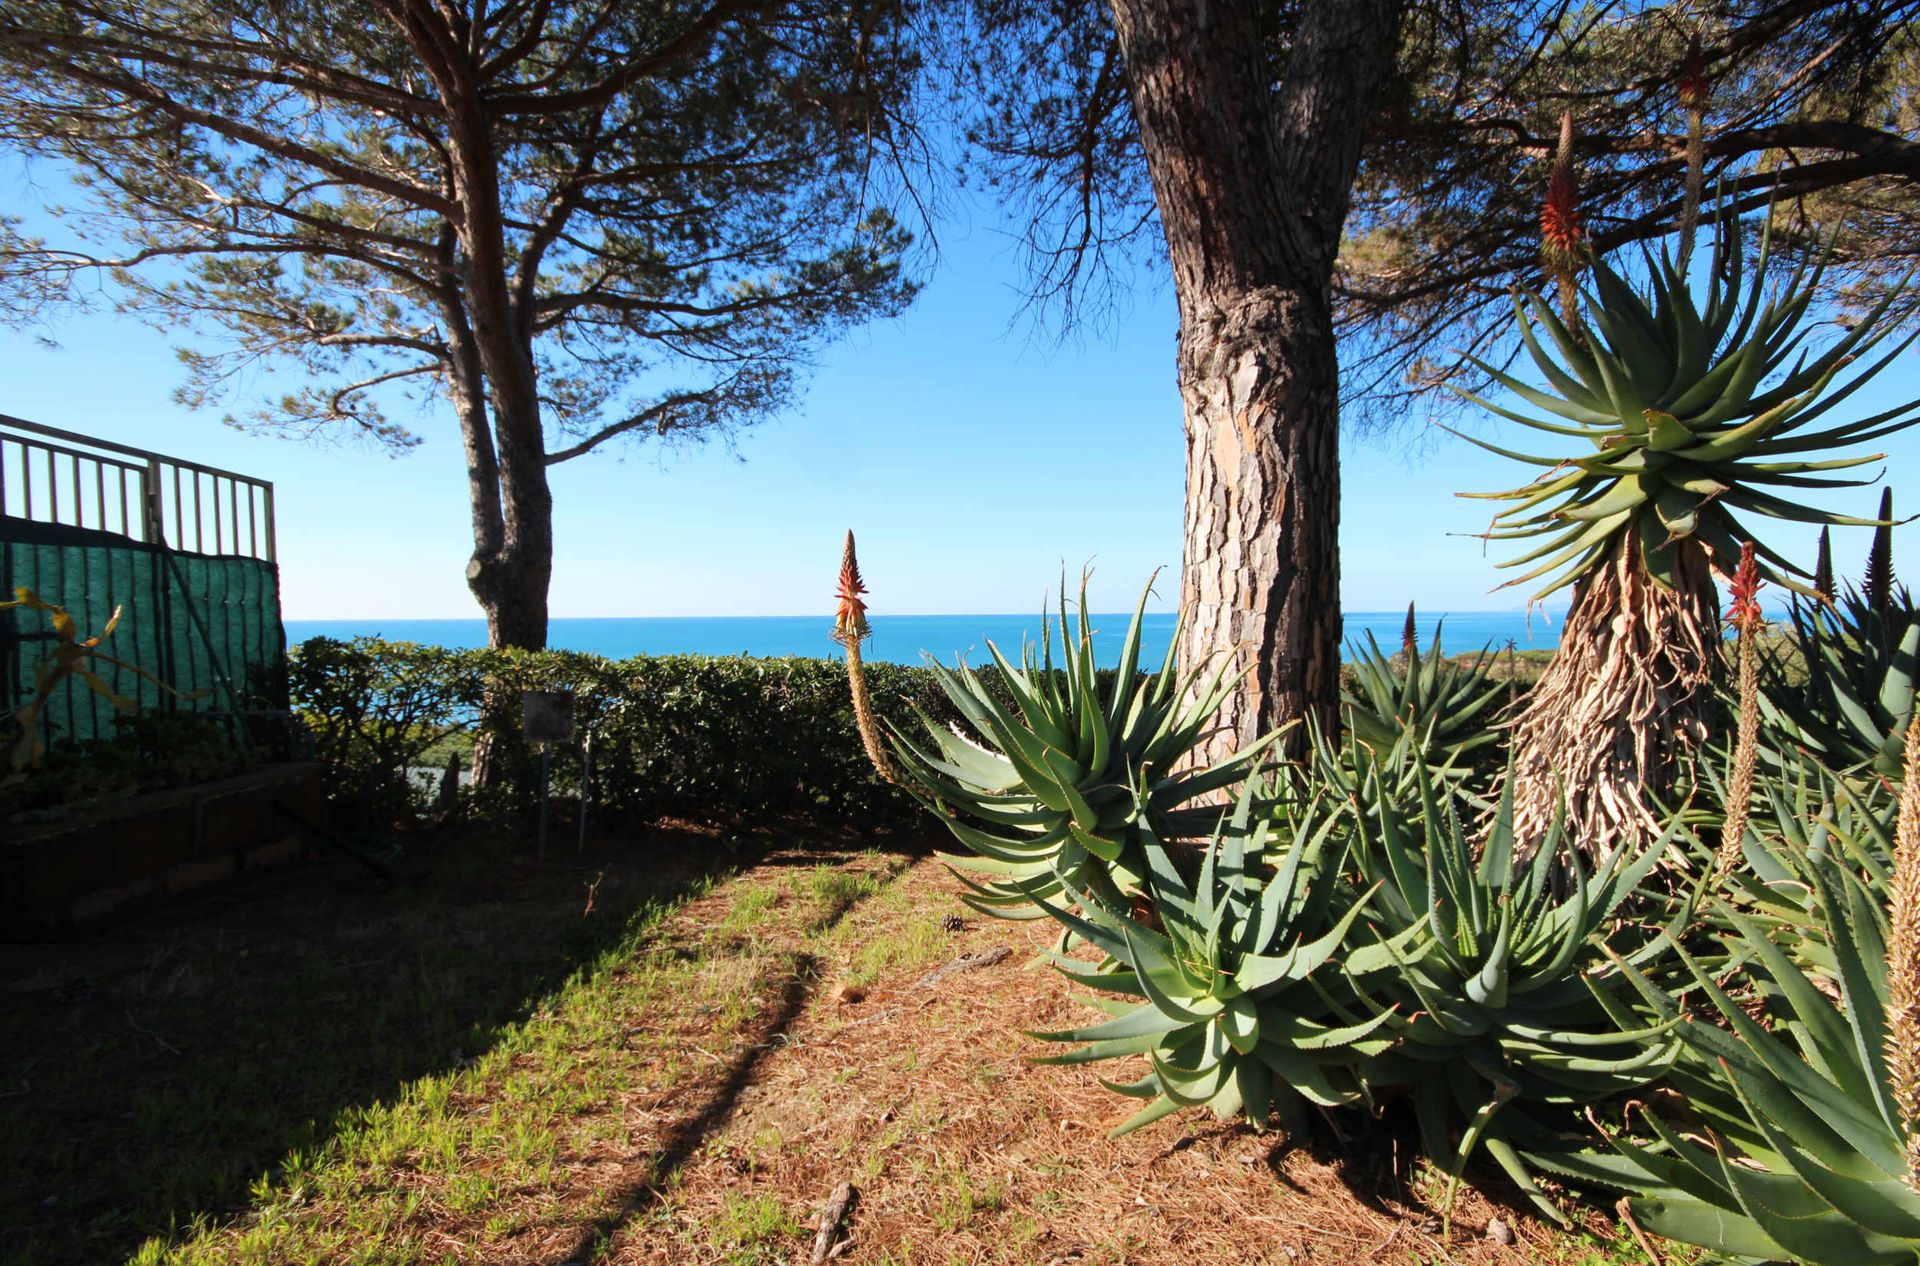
{"x": 696, "y": 37}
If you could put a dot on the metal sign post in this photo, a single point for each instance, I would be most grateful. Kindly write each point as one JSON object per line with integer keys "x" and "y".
{"x": 546, "y": 718}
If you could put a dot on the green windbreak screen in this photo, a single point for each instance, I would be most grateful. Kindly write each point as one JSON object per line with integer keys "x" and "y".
{"x": 207, "y": 626}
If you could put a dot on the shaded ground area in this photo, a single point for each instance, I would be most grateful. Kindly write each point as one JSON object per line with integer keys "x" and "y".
{"x": 154, "y": 1072}
{"x": 694, "y": 1091}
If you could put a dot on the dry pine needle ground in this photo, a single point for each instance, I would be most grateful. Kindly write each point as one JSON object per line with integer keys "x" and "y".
{"x": 696, "y": 1095}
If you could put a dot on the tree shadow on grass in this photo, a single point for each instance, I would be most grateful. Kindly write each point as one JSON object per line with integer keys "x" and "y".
{"x": 150, "y": 1073}
{"x": 721, "y": 1091}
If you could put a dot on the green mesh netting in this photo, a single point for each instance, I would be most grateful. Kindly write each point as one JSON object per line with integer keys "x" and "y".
{"x": 198, "y": 622}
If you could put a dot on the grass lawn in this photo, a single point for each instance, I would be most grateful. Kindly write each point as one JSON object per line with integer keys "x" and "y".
{"x": 663, "y": 1053}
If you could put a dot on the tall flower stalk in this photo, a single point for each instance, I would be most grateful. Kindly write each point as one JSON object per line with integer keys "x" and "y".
{"x": 1823, "y": 586}
{"x": 1693, "y": 88}
{"x": 850, "y": 629}
{"x": 1903, "y": 959}
{"x": 1563, "y": 238}
{"x": 1744, "y": 614}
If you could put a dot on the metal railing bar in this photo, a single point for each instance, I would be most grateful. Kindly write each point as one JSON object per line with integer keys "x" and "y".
{"x": 145, "y": 455}
{"x": 28, "y": 445}
{"x": 33, "y": 486}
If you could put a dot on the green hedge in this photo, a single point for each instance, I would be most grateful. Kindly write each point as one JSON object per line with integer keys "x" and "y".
{"x": 697, "y": 737}
{"x": 730, "y": 739}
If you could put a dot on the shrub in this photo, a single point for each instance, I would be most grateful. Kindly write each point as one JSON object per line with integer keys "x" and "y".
{"x": 374, "y": 710}
{"x": 698, "y": 737}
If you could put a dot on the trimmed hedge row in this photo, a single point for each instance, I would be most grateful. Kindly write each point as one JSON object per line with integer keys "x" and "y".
{"x": 686, "y": 736}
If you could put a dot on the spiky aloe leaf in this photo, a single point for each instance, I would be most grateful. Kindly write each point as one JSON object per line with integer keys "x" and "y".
{"x": 1852, "y": 693}
{"x": 1495, "y": 981}
{"x": 1444, "y": 709}
{"x": 1232, "y": 1016}
{"x": 1053, "y": 781}
{"x": 1796, "y": 1149}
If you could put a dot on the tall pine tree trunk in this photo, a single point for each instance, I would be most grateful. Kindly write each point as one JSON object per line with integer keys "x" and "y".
{"x": 1253, "y": 184}
{"x": 512, "y": 560}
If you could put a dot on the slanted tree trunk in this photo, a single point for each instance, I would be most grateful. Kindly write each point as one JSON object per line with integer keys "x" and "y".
{"x": 1252, "y": 184}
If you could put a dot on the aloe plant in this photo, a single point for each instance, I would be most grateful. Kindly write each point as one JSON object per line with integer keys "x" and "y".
{"x": 1447, "y": 707}
{"x": 1061, "y": 787}
{"x": 1488, "y": 972}
{"x": 1790, "y": 1143}
{"x": 1680, "y": 423}
{"x": 1232, "y": 1011}
{"x": 1684, "y": 416}
{"x": 1862, "y": 661}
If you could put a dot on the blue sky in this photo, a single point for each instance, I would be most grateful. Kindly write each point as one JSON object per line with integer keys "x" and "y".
{"x": 972, "y": 459}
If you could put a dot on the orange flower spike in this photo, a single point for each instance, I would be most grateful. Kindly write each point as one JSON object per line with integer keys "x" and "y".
{"x": 1562, "y": 236}
{"x": 1692, "y": 83}
{"x": 850, "y": 619}
{"x": 1744, "y": 611}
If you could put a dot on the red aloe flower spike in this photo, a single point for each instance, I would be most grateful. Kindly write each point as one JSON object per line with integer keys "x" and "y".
{"x": 1692, "y": 82}
{"x": 1562, "y": 237}
{"x": 850, "y": 619}
{"x": 1563, "y": 240}
{"x": 850, "y": 629}
{"x": 1744, "y": 611}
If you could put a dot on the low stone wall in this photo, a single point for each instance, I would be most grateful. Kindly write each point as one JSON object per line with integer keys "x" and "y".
{"x": 59, "y": 873}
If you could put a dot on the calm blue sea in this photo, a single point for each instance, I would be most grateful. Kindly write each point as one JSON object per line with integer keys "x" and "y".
{"x": 905, "y": 639}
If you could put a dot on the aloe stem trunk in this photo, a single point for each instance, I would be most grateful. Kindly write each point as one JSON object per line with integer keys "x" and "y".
{"x": 1622, "y": 700}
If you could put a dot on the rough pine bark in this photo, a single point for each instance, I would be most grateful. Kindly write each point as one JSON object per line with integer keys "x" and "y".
{"x": 1253, "y": 183}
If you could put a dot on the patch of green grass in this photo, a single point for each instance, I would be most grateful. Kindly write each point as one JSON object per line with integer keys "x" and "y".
{"x": 486, "y": 1148}
{"x": 836, "y": 888}
{"x": 753, "y": 1230}
{"x": 962, "y": 1199}
{"x": 295, "y": 1045}
{"x": 752, "y": 908}
{"x": 918, "y": 945}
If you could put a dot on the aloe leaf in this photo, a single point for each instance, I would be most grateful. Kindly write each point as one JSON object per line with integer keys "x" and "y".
{"x": 1305, "y": 1075}
{"x": 1798, "y": 1220}
{"x": 1259, "y": 972}
{"x": 1524, "y": 458}
{"x": 1626, "y": 494}
{"x": 1728, "y": 1232}
{"x": 1570, "y": 388}
{"x": 1102, "y": 1049}
{"x": 1886, "y": 1206}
